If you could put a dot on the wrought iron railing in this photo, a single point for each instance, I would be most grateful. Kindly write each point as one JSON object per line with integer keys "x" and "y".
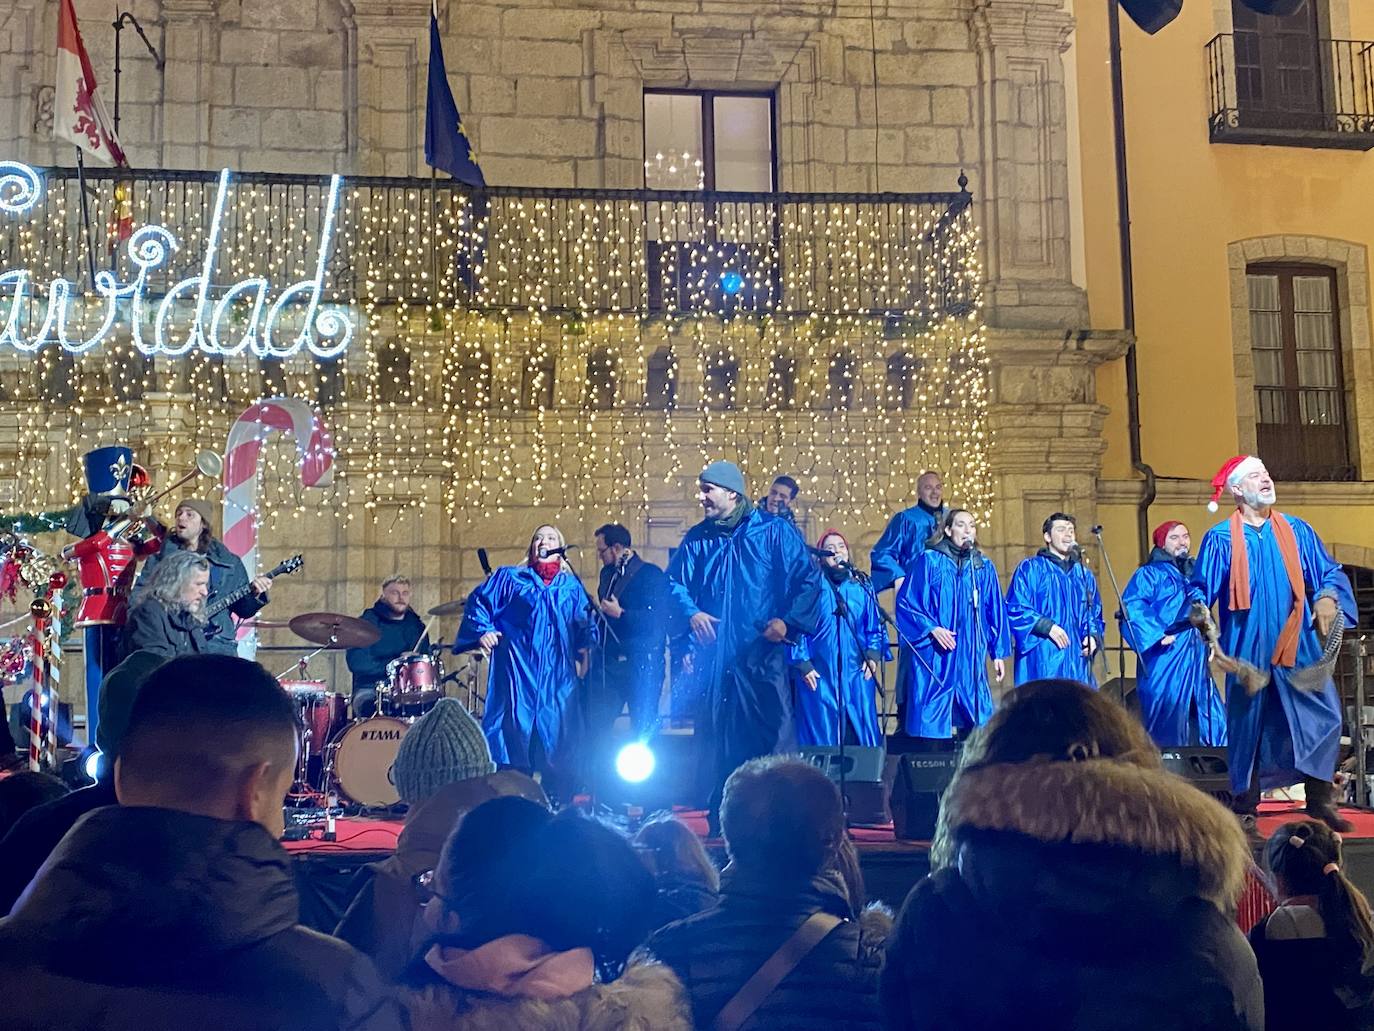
{"x": 1291, "y": 89}
{"x": 418, "y": 242}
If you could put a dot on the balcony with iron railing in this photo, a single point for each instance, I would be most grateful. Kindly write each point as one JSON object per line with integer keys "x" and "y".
{"x": 1291, "y": 90}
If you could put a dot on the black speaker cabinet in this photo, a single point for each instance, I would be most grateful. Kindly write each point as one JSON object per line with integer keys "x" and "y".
{"x": 865, "y": 791}
{"x": 1207, "y": 769}
{"x": 919, "y": 780}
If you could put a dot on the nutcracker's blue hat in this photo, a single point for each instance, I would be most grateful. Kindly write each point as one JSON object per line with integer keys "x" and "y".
{"x": 108, "y": 469}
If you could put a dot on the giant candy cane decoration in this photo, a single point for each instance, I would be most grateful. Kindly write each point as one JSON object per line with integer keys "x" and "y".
{"x": 314, "y": 446}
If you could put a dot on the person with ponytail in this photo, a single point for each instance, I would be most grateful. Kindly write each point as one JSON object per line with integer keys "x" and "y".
{"x": 1316, "y": 950}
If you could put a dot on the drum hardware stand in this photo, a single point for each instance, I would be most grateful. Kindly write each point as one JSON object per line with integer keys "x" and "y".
{"x": 302, "y": 665}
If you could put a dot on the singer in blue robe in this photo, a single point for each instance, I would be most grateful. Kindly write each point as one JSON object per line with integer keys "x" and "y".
{"x": 531, "y": 687}
{"x": 1049, "y": 590}
{"x": 1173, "y": 679}
{"x": 843, "y": 657}
{"x": 1284, "y": 734}
{"x": 955, "y": 589}
{"x": 903, "y": 542}
{"x": 740, "y": 579}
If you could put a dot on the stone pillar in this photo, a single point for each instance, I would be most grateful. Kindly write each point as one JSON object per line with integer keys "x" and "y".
{"x": 1047, "y": 422}
{"x": 190, "y": 45}
{"x": 392, "y": 51}
{"x": 1023, "y": 183}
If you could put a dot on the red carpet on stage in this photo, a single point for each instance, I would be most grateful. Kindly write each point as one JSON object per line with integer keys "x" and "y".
{"x": 1273, "y": 814}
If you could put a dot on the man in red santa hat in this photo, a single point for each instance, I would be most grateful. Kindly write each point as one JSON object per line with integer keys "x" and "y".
{"x": 1280, "y": 597}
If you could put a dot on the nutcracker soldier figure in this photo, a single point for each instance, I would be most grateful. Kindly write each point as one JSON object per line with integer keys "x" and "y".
{"x": 113, "y": 539}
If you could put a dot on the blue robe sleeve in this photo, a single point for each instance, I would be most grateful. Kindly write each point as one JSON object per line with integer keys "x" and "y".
{"x": 1212, "y": 567}
{"x": 1024, "y": 617}
{"x": 1097, "y": 625}
{"x": 483, "y": 606}
{"x": 681, "y": 572}
{"x": 1142, "y": 603}
{"x": 799, "y": 654}
{"x": 873, "y": 631}
{"x": 995, "y": 614}
{"x": 915, "y": 616}
{"x": 886, "y": 557}
{"x": 802, "y": 613}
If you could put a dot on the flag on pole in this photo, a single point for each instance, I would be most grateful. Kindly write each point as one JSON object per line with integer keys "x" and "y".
{"x": 79, "y": 114}
{"x": 447, "y": 146}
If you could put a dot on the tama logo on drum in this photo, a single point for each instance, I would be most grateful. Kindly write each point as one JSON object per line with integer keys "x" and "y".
{"x": 381, "y": 735}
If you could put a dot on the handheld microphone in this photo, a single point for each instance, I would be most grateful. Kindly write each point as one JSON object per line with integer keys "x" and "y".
{"x": 1097, "y": 530}
{"x": 820, "y": 552}
{"x": 484, "y": 561}
{"x": 545, "y": 553}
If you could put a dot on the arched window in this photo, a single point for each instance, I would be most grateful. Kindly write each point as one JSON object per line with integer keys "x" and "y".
{"x": 780, "y": 392}
{"x": 660, "y": 382}
{"x": 900, "y": 386}
{"x": 537, "y": 382}
{"x": 722, "y": 378}
{"x": 393, "y": 374}
{"x": 841, "y": 379}
{"x": 599, "y": 383}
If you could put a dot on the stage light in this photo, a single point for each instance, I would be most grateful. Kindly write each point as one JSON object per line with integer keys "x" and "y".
{"x": 731, "y": 282}
{"x": 91, "y": 764}
{"x": 635, "y": 763}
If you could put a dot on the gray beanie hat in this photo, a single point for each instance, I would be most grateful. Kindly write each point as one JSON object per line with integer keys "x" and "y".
{"x": 724, "y": 474}
{"x": 444, "y": 746}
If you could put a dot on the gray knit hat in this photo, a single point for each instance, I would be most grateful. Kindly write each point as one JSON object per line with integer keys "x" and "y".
{"x": 444, "y": 746}
{"x": 724, "y": 474}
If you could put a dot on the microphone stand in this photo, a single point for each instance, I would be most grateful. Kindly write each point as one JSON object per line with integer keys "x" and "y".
{"x": 1124, "y": 617}
{"x": 595, "y": 618}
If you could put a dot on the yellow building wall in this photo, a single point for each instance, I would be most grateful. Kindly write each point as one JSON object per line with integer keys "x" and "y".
{"x": 1190, "y": 199}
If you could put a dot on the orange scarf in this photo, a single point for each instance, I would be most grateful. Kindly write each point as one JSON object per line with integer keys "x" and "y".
{"x": 1286, "y": 651}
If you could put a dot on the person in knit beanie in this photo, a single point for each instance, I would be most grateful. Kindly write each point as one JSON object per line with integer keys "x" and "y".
{"x": 444, "y": 746}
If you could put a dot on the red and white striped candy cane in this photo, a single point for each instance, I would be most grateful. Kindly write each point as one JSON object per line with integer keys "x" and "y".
{"x": 314, "y": 446}
{"x": 36, "y": 737}
{"x": 52, "y": 675}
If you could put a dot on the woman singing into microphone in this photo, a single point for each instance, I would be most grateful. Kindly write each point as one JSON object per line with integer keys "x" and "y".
{"x": 532, "y": 620}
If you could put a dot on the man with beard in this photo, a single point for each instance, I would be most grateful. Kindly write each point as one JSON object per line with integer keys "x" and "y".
{"x": 630, "y": 595}
{"x": 1173, "y": 680}
{"x": 191, "y": 531}
{"x": 951, "y": 610}
{"x": 907, "y": 533}
{"x": 402, "y": 631}
{"x": 168, "y": 615}
{"x": 838, "y": 663}
{"x": 1054, "y": 609}
{"x": 1276, "y": 587}
{"x": 747, "y": 587}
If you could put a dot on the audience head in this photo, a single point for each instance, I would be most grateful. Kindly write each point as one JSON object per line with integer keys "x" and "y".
{"x": 1305, "y": 858}
{"x": 213, "y": 735}
{"x": 781, "y": 817}
{"x": 118, "y": 690}
{"x": 1059, "y": 720}
{"x": 443, "y": 746}
{"x": 673, "y": 851}
{"x": 25, "y": 790}
{"x": 568, "y": 881}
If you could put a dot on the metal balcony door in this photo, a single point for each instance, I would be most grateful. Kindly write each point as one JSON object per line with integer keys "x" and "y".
{"x": 1279, "y": 76}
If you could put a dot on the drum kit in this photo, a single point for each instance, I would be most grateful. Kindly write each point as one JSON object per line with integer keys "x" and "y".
{"x": 347, "y": 759}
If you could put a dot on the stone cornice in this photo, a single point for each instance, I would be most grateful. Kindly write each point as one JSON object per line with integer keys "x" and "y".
{"x": 1089, "y": 347}
{"x": 1021, "y": 23}
{"x": 1196, "y": 492}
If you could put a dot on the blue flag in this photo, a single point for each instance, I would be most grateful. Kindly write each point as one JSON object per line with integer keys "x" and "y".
{"x": 446, "y": 144}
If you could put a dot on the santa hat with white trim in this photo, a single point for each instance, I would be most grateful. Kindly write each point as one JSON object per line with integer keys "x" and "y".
{"x": 1231, "y": 473}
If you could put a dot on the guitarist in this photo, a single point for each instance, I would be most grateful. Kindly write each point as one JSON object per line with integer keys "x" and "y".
{"x": 191, "y": 531}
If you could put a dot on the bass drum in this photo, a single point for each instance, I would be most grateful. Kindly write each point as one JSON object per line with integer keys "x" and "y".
{"x": 363, "y": 757}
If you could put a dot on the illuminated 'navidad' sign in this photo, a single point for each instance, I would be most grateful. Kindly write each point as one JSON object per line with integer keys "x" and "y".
{"x": 218, "y": 325}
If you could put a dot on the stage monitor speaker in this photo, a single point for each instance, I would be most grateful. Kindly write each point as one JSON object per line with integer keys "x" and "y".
{"x": 1152, "y": 15}
{"x": 864, "y": 788}
{"x": 1207, "y": 769}
{"x": 918, "y": 782}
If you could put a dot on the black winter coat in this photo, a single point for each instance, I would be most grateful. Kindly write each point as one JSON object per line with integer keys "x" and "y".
{"x": 35, "y": 834}
{"x": 150, "y": 918}
{"x": 150, "y": 627}
{"x": 368, "y": 665}
{"x": 715, "y": 952}
{"x": 1312, "y": 982}
{"x": 227, "y": 575}
{"x": 1079, "y": 896}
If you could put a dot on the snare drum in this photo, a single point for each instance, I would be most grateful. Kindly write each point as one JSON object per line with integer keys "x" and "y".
{"x": 319, "y": 711}
{"x": 412, "y": 685}
{"x": 363, "y": 756}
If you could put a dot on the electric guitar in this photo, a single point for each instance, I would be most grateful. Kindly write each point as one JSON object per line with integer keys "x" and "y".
{"x": 233, "y": 597}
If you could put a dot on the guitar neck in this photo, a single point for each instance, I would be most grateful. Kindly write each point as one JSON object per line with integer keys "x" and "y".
{"x": 232, "y": 598}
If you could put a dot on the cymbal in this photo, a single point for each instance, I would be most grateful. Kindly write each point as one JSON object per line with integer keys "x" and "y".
{"x": 449, "y": 608}
{"x": 334, "y": 630}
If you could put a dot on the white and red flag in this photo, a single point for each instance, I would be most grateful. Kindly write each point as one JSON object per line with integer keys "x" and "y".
{"x": 79, "y": 114}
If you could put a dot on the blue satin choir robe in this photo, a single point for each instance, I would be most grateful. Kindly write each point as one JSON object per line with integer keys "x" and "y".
{"x": 744, "y": 577}
{"x": 533, "y": 676}
{"x": 1043, "y": 592}
{"x": 1288, "y": 733}
{"x": 949, "y": 689}
{"x": 897, "y": 550}
{"x": 840, "y": 665}
{"x": 1174, "y": 680}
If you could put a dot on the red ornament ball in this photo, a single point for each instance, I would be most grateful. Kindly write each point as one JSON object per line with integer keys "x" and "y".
{"x": 41, "y": 608}
{"x": 57, "y": 581}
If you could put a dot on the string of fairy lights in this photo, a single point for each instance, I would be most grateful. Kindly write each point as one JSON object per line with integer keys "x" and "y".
{"x": 573, "y": 351}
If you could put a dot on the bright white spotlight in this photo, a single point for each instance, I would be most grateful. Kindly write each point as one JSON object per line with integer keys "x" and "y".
{"x": 635, "y": 762}
{"x": 91, "y": 767}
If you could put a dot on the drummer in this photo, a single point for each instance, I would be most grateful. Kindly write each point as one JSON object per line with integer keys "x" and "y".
{"x": 402, "y": 631}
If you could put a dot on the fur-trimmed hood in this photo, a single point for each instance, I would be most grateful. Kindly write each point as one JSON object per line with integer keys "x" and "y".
{"x": 648, "y": 997}
{"x": 1100, "y": 802}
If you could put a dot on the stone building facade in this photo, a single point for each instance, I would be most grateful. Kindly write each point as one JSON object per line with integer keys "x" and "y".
{"x": 898, "y": 96}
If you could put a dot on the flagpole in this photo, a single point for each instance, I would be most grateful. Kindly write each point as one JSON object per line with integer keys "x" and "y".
{"x": 85, "y": 214}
